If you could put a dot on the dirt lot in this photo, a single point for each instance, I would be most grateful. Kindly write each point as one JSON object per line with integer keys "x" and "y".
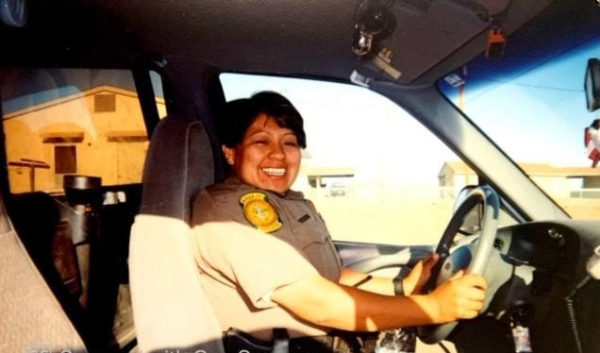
{"x": 408, "y": 218}
{"x": 388, "y": 219}
{"x": 581, "y": 208}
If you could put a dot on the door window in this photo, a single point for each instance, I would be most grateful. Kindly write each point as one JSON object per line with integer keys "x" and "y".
{"x": 72, "y": 121}
{"x": 374, "y": 172}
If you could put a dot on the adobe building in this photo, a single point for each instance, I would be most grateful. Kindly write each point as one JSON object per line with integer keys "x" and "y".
{"x": 98, "y": 132}
{"x": 576, "y": 182}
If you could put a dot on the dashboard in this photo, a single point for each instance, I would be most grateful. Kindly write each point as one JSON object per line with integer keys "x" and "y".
{"x": 537, "y": 278}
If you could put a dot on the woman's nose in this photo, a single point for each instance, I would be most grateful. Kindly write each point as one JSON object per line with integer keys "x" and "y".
{"x": 276, "y": 151}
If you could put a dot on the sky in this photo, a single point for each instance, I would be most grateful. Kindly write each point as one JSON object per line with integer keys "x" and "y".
{"x": 538, "y": 115}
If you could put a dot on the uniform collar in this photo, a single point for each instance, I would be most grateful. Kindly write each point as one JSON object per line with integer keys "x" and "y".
{"x": 289, "y": 195}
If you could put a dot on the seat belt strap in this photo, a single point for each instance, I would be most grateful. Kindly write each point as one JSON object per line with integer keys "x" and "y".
{"x": 281, "y": 341}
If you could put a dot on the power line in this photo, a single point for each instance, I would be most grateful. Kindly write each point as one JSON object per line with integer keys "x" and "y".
{"x": 553, "y": 88}
{"x": 533, "y": 68}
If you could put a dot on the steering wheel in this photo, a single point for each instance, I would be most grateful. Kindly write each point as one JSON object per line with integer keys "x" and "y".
{"x": 462, "y": 257}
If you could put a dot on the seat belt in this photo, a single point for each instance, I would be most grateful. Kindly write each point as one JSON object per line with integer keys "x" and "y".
{"x": 281, "y": 341}
{"x": 235, "y": 341}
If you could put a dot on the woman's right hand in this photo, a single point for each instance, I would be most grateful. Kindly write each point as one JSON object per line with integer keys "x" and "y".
{"x": 460, "y": 297}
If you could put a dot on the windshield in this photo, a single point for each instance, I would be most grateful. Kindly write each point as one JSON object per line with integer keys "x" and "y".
{"x": 531, "y": 102}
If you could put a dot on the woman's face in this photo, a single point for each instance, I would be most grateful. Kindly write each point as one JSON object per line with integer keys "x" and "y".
{"x": 268, "y": 157}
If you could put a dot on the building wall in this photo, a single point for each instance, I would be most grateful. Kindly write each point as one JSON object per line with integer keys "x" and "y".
{"x": 452, "y": 181}
{"x": 113, "y": 146}
{"x": 555, "y": 186}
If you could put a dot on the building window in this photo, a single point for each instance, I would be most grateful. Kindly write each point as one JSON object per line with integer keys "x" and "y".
{"x": 65, "y": 159}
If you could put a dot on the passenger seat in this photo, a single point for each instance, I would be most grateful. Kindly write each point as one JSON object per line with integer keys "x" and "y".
{"x": 32, "y": 317}
{"x": 170, "y": 309}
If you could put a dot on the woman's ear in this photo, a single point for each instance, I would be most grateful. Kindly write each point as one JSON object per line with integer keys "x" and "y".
{"x": 229, "y": 154}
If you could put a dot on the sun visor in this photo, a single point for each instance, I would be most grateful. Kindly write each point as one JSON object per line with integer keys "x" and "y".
{"x": 424, "y": 32}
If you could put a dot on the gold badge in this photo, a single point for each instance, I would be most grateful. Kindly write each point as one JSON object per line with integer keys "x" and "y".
{"x": 259, "y": 212}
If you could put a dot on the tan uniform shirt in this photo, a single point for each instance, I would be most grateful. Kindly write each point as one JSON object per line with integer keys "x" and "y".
{"x": 241, "y": 265}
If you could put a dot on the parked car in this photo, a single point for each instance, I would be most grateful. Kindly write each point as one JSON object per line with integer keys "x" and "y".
{"x": 454, "y": 117}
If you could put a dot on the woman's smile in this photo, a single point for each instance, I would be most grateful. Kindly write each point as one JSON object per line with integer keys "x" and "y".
{"x": 277, "y": 172}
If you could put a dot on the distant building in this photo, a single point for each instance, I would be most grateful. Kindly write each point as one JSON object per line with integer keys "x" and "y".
{"x": 326, "y": 180}
{"x": 99, "y": 132}
{"x": 558, "y": 181}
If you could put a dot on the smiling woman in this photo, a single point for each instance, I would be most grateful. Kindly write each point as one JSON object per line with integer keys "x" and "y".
{"x": 268, "y": 154}
{"x": 294, "y": 278}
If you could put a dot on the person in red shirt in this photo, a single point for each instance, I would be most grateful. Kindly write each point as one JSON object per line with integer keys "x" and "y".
{"x": 592, "y": 142}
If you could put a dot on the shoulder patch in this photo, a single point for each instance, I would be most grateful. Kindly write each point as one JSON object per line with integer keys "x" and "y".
{"x": 259, "y": 212}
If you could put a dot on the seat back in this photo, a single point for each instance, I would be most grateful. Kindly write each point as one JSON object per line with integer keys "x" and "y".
{"x": 32, "y": 318}
{"x": 171, "y": 311}
{"x": 178, "y": 166}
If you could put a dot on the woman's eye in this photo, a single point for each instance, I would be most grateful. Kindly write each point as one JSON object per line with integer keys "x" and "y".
{"x": 291, "y": 144}
{"x": 260, "y": 142}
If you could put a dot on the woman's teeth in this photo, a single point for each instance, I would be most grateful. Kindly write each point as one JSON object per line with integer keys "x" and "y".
{"x": 274, "y": 171}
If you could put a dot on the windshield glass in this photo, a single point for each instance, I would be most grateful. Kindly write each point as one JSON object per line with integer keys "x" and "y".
{"x": 530, "y": 101}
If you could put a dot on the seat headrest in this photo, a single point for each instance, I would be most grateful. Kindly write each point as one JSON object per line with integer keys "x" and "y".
{"x": 179, "y": 164}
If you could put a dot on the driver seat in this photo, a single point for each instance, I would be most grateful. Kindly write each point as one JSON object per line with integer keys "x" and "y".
{"x": 170, "y": 309}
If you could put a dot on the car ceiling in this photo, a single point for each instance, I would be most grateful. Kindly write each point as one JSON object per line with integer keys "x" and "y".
{"x": 289, "y": 37}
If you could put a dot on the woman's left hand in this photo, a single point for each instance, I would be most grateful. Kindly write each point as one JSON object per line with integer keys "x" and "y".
{"x": 418, "y": 276}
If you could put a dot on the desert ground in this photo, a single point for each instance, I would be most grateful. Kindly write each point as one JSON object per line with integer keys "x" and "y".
{"x": 408, "y": 217}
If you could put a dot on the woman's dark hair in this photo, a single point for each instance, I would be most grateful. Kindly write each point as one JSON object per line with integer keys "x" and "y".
{"x": 238, "y": 115}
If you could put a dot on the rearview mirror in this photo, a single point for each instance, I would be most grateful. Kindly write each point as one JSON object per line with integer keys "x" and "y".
{"x": 592, "y": 84}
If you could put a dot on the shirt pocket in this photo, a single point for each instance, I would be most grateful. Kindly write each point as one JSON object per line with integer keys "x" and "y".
{"x": 312, "y": 238}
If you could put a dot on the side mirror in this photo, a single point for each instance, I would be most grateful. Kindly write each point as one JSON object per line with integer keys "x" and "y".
{"x": 472, "y": 221}
{"x": 592, "y": 84}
